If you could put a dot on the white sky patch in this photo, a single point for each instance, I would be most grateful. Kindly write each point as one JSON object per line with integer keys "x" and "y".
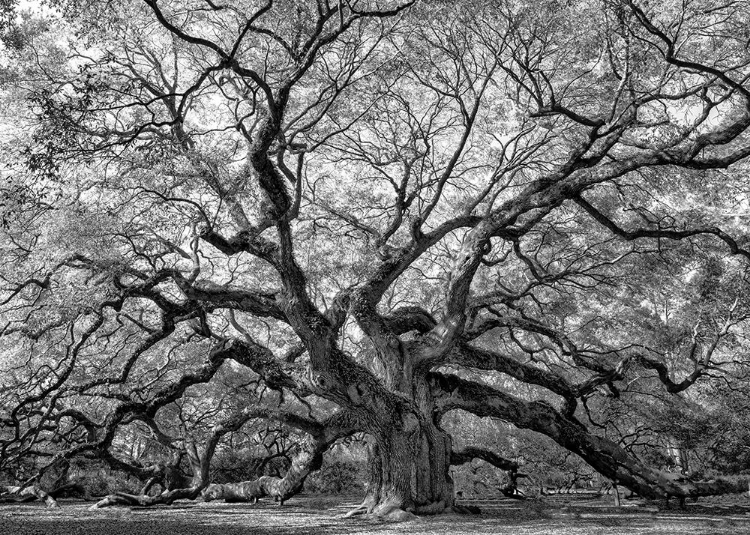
{"x": 29, "y": 4}
{"x": 499, "y": 141}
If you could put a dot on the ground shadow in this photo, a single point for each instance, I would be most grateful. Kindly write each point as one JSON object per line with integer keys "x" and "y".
{"x": 315, "y": 515}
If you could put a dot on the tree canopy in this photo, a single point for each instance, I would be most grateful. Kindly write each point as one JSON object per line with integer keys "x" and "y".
{"x": 364, "y": 216}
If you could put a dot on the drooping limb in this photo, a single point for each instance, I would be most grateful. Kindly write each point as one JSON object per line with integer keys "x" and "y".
{"x": 28, "y": 493}
{"x": 602, "y": 454}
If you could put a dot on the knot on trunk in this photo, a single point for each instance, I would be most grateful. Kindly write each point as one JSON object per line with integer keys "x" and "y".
{"x": 322, "y": 381}
{"x": 410, "y": 423}
{"x": 356, "y": 392}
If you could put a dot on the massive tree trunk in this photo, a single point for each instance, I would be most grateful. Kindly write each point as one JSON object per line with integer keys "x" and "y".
{"x": 434, "y": 486}
{"x": 409, "y": 460}
{"x": 409, "y": 472}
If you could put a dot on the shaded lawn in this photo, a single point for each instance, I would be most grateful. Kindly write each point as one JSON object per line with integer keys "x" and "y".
{"x": 308, "y": 514}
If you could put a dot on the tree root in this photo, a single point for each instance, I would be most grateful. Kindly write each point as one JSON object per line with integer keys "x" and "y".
{"x": 385, "y": 511}
{"x": 359, "y": 510}
{"x": 391, "y": 512}
{"x": 434, "y": 508}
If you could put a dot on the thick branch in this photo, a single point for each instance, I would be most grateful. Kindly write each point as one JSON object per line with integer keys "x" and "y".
{"x": 466, "y": 455}
{"x": 660, "y": 233}
{"x": 405, "y": 319}
{"x": 482, "y": 359}
{"x": 605, "y": 456}
{"x": 256, "y": 303}
{"x": 261, "y": 360}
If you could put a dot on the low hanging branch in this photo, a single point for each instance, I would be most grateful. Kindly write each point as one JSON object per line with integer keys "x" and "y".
{"x": 608, "y": 458}
{"x": 468, "y": 454}
{"x": 29, "y": 493}
{"x": 167, "y": 497}
{"x": 244, "y": 491}
{"x": 307, "y": 459}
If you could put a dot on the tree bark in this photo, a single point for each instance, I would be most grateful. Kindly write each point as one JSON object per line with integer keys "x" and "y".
{"x": 244, "y": 491}
{"x": 308, "y": 459}
{"x": 409, "y": 463}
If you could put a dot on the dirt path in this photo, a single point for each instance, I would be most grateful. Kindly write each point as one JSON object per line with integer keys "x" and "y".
{"x": 322, "y": 515}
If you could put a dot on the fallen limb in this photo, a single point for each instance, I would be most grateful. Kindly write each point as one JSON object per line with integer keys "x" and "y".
{"x": 25, "y": 494}
{"x": 143, "y": 500}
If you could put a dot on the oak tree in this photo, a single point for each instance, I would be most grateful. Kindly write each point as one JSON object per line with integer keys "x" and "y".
{"x": 382, "y": 212}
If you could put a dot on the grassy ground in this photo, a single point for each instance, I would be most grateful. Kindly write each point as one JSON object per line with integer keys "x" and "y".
{"x": 304, "y": 515}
